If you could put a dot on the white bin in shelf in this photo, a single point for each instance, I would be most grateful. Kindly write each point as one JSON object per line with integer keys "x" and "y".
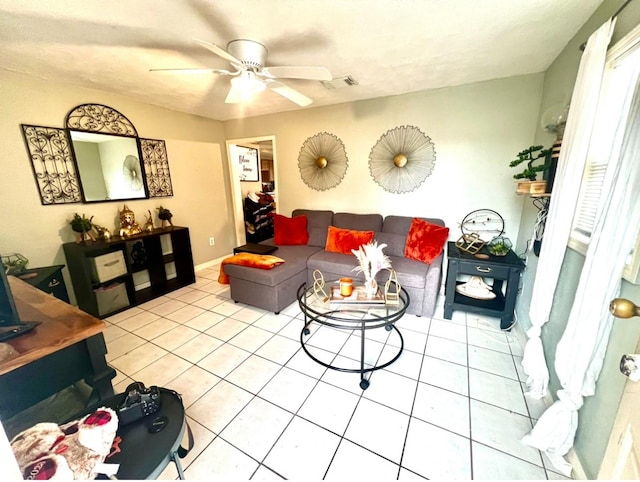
{"x": 141, "y": 280}
{"x": 111, "y": 298}
{"x": 170, "y": 270}
{"x": 165, "y": 243}
{"x": 108, "y": 266}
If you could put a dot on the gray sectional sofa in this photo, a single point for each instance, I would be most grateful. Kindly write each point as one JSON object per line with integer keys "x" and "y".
{"x": 275, "y": 289}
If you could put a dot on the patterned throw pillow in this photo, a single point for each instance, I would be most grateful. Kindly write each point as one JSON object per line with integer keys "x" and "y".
{"x": 425, "y": 241}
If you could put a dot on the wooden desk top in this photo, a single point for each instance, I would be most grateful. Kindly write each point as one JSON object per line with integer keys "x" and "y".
{"x": 62, "y": 325}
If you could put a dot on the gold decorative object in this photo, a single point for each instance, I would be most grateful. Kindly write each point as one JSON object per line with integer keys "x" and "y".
{"x": 103, "y": 233}
{"x": 128, "y": 225}
{"x": 148, "y": 225}
{"x": 318, "y": 286}
{"x": 322, "y": 161}
{"x": 471, "y": 243}
{"x": 392, "y": 289}
{"x": 402, "y": 159}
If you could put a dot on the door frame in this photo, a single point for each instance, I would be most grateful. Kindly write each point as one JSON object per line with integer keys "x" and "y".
{"x": 234, "y": 182}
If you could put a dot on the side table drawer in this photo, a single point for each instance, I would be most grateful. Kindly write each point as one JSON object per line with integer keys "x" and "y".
{"x": 483, "y": 269}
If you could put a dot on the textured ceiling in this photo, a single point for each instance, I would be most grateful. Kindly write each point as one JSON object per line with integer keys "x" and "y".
{"x": 388, "y": 47}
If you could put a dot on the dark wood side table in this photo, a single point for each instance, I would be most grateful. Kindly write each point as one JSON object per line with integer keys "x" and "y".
{"x": 68, "y": 346}
{"x": 498, "y": 268}
{"x": 48, "y": 279}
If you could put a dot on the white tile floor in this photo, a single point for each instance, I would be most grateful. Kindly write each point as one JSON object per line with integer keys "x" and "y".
{"x": 452, "y": 406}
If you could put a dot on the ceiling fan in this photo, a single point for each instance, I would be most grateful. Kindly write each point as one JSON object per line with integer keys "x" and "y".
{"x": 250, "y": 76}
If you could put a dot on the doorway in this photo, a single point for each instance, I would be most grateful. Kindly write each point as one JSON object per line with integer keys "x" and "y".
{"x": 267, "y": 182}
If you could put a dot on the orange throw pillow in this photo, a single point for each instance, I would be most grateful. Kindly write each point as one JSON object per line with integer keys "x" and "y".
{"x": 262, "y": 261}
{"x": 425, "y": 241}
{"x": 290, "y": 231}
{"x": 344, "y": 240}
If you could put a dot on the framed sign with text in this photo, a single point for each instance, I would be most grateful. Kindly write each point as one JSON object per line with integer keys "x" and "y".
{"x": 248, "y": 163}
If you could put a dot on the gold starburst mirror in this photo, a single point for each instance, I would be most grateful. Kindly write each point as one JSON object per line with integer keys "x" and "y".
{"x": 322, "y": 161}
{"x": 402, "y": 159}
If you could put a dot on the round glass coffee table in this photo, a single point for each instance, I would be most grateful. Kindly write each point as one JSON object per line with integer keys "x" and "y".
{"x": 355, "y": 316}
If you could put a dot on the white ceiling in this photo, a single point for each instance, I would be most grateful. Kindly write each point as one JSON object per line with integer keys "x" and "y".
{"x": 389, "y": 47}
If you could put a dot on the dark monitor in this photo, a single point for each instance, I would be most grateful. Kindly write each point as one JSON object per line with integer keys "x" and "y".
{"x": 10, "y": 324}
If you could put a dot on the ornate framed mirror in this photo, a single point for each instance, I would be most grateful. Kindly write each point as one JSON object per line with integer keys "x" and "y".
{"x": 106, "y": 149}
{"x": 97, "y": 157}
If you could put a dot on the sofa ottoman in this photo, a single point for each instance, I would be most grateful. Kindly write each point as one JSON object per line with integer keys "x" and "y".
{"x": 274, "y": 289}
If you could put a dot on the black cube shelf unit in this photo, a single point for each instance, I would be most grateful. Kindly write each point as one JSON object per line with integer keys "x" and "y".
{"x": 139, "y": 268}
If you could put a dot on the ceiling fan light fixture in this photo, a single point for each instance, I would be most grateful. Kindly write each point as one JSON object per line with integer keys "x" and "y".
{"x": 248, "y": 83}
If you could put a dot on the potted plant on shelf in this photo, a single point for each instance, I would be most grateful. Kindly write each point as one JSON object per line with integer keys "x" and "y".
{"x": 82, "y": 226}
{"x": 165, "y": 216}
{"x": 530, "y": 173}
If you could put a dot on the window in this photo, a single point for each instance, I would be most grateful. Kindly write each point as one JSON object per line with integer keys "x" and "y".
{"x": 605, "y": 145}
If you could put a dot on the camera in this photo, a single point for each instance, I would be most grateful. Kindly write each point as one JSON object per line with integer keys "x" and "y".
{"x": 139, "y": 402}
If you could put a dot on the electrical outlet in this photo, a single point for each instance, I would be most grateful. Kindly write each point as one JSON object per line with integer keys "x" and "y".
{"x": 212, "y": 241}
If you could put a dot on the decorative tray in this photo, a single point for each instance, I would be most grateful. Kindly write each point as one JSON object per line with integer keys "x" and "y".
{"x": 357, "y": 297}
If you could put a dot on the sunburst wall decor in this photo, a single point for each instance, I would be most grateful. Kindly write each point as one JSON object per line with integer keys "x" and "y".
{"x": 322, "y": 161}
{"x": 402, "y": 159}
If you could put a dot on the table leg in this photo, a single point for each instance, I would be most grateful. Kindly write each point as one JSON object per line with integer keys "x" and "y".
{"x": 364, "y": 383}
{"x": 102, "y": 374}
{"x": 176, "y": 460}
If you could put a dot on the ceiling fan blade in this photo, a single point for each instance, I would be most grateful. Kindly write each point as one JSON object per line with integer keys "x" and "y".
{"x": 308, "y": 73}
{"x": 289, "y": 93}
{"x": 194, "y": 71}
{"x": 219, "y": 51}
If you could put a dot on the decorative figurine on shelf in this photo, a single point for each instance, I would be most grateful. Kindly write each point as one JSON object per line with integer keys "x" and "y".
{"x": 148, "y": 225}
{"x": 165, "y": 215}
{"x": 103, "y": 233}
{"x": 128, "y": 225}
{"x": 82, "y": 226}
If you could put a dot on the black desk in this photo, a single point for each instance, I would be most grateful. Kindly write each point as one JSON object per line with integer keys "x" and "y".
{"x": 499, "y": 268}
{"x": 144, "y": 455}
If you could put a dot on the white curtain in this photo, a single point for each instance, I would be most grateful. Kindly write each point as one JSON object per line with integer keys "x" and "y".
{"x": 581, "y": 350}
{"x": 566, "y": 188}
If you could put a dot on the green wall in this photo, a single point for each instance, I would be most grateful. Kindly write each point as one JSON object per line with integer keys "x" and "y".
{"x": 598, "y": 413}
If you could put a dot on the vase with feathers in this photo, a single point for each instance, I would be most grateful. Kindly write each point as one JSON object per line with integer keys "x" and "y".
{"x": 371, "y": 259}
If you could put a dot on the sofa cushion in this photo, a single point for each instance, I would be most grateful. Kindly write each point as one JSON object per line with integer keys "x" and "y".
{"x": 295, "y": 261}
{"x": 395, "y": 243}
{"x": 344, "y": 240}
{"x": 402, "y": 224}
{"x": 290, "y": 231}
{"x": 317, "y": 224}
{"x": 328, "y": 262}
{"x": 410, "y": 273}
{"x": 425, "y": 241}
{"x": 360, "y": 222}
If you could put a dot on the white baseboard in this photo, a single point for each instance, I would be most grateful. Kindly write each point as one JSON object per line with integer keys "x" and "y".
{"x": 210, "y": 264}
